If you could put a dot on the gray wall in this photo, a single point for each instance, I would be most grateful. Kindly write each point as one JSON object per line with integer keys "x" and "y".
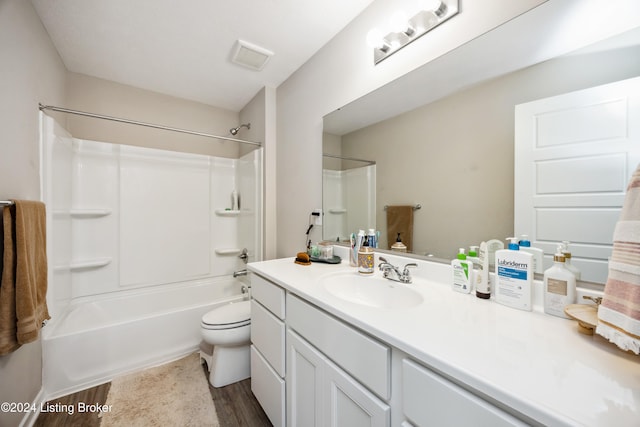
{"x": 30, "y": 72}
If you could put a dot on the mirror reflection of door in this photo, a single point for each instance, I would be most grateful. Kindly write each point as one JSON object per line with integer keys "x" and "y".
{"x": 574, "y": 155}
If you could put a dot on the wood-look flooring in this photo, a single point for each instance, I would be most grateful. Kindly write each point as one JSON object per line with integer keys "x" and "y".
{"x": 235, "y": 404}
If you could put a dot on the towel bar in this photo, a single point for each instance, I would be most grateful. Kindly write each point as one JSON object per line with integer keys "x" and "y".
{"x": 6, "y": 202}
{"x": 415, "y": 208}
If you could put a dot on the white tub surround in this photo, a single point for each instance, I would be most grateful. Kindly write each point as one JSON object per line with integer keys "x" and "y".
{"x": 529, "y": 366}
{"x": 99, "y": 338}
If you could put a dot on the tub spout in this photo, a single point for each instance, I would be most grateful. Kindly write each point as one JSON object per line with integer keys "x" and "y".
{"x": 240, "y": 273}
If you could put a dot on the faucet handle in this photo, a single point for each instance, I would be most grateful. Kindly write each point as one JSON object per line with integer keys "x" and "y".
{"x": 412, "y": 265}
{"x": 406, "y": 276}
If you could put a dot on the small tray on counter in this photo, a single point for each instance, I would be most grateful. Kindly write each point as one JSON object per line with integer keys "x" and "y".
{"x": 335, "y": 260}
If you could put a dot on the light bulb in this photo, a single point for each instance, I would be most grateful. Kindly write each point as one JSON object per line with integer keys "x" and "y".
{"x": 398, "y": 22}
{"x": 375, "y": 39}
{"x": 431, "y": 5}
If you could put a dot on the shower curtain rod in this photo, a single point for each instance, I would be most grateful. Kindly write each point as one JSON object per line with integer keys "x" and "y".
{"x": 334, "y": 156}
{"x": 150, "y": 125}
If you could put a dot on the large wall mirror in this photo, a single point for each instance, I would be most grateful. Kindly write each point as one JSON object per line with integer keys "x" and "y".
{"x": 443, "y": 136}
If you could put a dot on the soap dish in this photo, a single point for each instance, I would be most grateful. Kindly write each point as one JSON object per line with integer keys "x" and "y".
{"x": 585, "y": 314}
{"x": 335, "y": 260}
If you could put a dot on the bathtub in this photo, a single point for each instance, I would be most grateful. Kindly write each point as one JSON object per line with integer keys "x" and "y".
{"x": 99, "y": 338}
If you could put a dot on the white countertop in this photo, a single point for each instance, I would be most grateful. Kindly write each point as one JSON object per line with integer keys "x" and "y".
{"x": 532, "y": 362}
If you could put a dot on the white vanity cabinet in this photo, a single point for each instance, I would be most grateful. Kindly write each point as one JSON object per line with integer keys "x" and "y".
{"x": 268, "y": 348}
{"x": 430, "y": 399}
{"x": 319, "y": 392}
{"x": 311, "y": 368}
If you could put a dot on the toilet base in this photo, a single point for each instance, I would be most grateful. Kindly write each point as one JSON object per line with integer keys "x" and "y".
{"x": 229, "y": 365}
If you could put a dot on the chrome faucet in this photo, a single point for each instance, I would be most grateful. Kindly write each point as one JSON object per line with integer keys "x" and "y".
{"x": 240, "y": 273}
{"x": 389, "y": 269}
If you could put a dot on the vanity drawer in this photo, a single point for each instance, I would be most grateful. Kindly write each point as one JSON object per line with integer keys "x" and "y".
{"x": 271, "y": 296}
{"x": 364, "y": 358}
{"x": 267, "y": 334}
{"x": 430, "y": 399}
{"x": 268, "y": 388}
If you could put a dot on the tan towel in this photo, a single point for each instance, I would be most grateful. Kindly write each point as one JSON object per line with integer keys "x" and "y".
{"x": 619, "y": 313}
{"x": 400, "y": 220}
{"x": 23, "y": 288}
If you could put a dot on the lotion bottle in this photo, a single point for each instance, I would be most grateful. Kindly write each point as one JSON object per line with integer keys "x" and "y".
{"x": 493, "y": 246}
{"x": 462, "y": 273}
{"x": 514, "y": 276}
{"x": 483, "y": 286}
{"x": 559, "y": 287}
{"x": 525, "y": 245}
{"x": 472, "y": 257}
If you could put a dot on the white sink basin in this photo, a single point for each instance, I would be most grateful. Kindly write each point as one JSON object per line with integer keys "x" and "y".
{"x": 371, "y": 291}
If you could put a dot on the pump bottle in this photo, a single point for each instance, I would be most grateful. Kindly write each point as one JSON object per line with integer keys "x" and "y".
{"x": 514, "y": 276}
{"x": 462, "y": 273}
{"x": 525, "y": 245}
{"x": 567, "y": 260}
{"x": 559, "y": 286}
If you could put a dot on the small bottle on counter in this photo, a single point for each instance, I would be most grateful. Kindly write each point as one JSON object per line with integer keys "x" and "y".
{"x": 366, "y": 264}
{"x": 462, "y": 273}
{"x": 559, "y": 287}
{"x": 372, "y": 238}
{"x": 398, "y": 246}
{"x": 483, "y": 285}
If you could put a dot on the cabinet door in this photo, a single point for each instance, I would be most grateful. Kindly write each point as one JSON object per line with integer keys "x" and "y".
{"x": 305, "y": 367}
{"x": 432, "y": 400}
{"x": 349, "y": 404}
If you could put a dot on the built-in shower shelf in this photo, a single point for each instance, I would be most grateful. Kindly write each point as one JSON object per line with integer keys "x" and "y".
{"x": 228, "y": 251}
{"x": 89, "y": 213}
{"x": 89, "y": 264}
{"x": 81, "y": 213}
{"x": 337, "y": 211}
{"x": 225, "y": 212}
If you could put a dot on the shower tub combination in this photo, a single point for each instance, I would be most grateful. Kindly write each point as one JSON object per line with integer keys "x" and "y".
{"x": 100, "y": 338}
{"x": 141, "y": 244}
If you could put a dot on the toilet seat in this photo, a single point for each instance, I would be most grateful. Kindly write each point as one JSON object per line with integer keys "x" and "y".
{"x": 228, "y": 316}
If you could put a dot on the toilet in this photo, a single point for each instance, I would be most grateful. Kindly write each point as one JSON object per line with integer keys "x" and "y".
{"x": 228, "y": 329}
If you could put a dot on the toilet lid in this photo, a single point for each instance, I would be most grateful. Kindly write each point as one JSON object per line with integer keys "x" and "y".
{"x": 229, "y": 314}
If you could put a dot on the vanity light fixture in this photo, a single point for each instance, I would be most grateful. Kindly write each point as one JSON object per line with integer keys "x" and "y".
{"x": 401, "y": 31}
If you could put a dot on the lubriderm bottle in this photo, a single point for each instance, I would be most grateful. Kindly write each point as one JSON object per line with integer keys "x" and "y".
{"x": 514, "y": 276}
{"x": 559, "y": 286}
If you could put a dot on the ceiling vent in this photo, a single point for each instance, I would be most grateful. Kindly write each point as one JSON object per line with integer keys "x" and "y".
{"x": 250, "y": 56}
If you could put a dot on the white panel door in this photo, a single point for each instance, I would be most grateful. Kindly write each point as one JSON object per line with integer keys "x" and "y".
{"x": 574, "y": 155}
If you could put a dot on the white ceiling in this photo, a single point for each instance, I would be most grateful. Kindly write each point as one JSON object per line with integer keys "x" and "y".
{"x": 183, "y": 48}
